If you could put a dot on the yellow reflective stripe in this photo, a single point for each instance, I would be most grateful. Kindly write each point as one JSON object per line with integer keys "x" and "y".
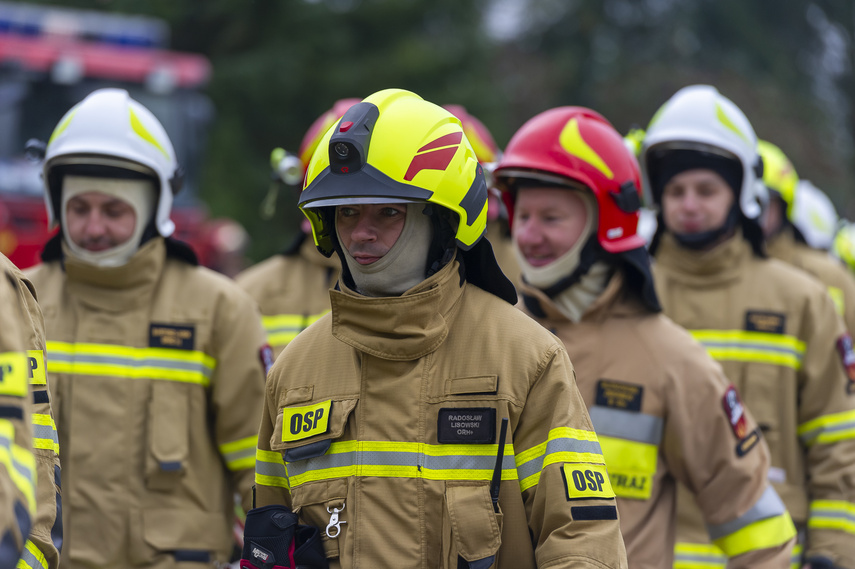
{"x": 20, "y": 464}
{"x": 698, "y": 556}
{"x": 631, "y": 466}
{"x": 32, "y": 558}
{"x": 745, "y": 346}
{"x": 832, "y": 514}
{"x": 828, "y": 428}
{"x": 572, "y": 142}
{"x": 283, "y": 328}
{"x": 187, "y": 366}
{"x": 770, "y": 532}
{"x": 839, "y": 300}
{"x": 270, "y": 469}
{"x": 239, "y": 454}
{"x": 139, "y": 128}
{"x": 44, "y": 433}
{"x": 563, "y": 444}
{"x": 796, "y": 557}
{"x": 392, "y": 459}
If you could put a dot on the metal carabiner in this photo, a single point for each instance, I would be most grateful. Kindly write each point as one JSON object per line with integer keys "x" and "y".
{"x": 335, "y": 523}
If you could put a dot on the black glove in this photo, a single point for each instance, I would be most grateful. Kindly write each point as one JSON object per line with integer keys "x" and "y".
{"x": 273, "y": 539}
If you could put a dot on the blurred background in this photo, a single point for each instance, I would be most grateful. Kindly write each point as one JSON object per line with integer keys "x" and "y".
{"x": 233, "y": 79}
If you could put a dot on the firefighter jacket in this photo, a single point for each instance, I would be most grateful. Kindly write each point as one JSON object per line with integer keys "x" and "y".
{"x": 45, "y": 541}
{"x": 157, "y": 384}
{"x": 17, "y": 462}
{"x": 775, "y": 331}
{"x": 388, "y": 411}
{"x": 829, "y": 271}
{"x": 664, "y": 412}
{"x": 499, "y": 235}
{"x": 291, "y": 289}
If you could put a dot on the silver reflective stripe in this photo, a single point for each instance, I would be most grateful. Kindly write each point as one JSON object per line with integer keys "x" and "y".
{"x": 768, "y": 506}
{"x": 564, "y": 444}
{"x": 46, "y": 432}
{"x": 374, "y": 458}
{"x": 270, "y": 469}
{"x": 628, "y": 425}
{"x": 31, "y": 560}
{"x": 167, "y": 363}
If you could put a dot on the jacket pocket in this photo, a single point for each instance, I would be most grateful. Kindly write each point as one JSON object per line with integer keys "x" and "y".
{"x": 168, "y": 432}
{"x": 181, "y": 535}
{"x": 324, "y": 505}
{"x": 472, "y": 529}
{"x": 307, "y": 430}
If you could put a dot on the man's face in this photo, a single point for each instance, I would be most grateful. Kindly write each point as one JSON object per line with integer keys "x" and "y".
{"x": 96, "y": 221}
{"x": 547, "y": 223}
{"x": 696, "y": 201}
{"x": 368, "y": 231}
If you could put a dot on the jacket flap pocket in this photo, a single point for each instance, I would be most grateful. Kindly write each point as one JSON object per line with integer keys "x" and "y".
{"x": 471, "y": 385}
{"x": 302, "y": 425}
{"x": 178, "y": 529}
{"x": 474, "y": 523}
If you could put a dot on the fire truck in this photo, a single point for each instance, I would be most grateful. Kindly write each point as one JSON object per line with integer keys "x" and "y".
{"x": 50, "y": 59}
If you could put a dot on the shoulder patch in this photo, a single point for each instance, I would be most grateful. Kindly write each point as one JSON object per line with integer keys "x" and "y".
{"x": 171, "y": 336}
{"x": 761, "y": 321}
{"x": 476, "y": 425}
{"x": 735, "y": 411}
{"x": 587, "y": 482}
{"x": 619, "y": 395}
{"x": 265, "y": 354}
{"x": 14, "y": 374}
{"x": 305, "y": 421}
{"x": 847, "y": 356}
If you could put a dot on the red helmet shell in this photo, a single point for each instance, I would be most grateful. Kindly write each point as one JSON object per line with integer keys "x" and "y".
{"x": 580, "y": 145}
{"x": 485, "y": 147}
{"x": 319, "y": 128}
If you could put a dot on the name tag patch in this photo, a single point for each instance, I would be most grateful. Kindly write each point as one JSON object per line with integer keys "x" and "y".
{"x": 36, "y": 365}
{"x": 619, "y": 395}
{"x": 474, "y": 425}
{"x": 759, "y": 321}
{"x": 748, "y": 443}
{"x": 171, "y": 336}
{"x": 587, "y": 482}
{"x": 735, "y": 411}
{"x": 307, "y": 421}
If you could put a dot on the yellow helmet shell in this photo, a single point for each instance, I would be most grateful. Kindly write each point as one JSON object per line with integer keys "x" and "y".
{"x": 779, "y": 174}
{"x": 396, "y": 147}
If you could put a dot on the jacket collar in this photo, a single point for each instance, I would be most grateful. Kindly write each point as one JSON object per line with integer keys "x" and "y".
{"x": 723, "y": 262}
{"x": 399, "y": 328}
{"x": 613, "y": 302}
{"x": 140, "y": 272}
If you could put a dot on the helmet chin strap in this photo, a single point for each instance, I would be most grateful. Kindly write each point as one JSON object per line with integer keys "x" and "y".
{"x": 705, "y": 239}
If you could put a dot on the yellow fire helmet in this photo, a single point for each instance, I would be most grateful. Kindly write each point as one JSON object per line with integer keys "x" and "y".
{"x": 779, "y": 175}
{"x": 395, "y": 147}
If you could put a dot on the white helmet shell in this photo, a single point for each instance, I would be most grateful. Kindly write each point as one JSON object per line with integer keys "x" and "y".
{"x": 109, "y": 127}
{"x": 698, "y": 117}
{"x": 814, "y": 215}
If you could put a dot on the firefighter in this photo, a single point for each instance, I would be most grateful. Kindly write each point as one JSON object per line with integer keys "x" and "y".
{"x": 426, "y": 422}
{"x": 662, "y": 409}
{"x": 291, "y": 287}
{"x": 489, "y": 154}
{"x": 45, "y": 540}
{"x": 157, "y": 365}
{"x": 787, "y": 243}
{"x": 773, "y": 328}
{"x": 18, "y": 492}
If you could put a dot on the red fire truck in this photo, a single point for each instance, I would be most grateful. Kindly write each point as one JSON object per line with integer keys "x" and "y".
{"x": 51, "y": 58}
